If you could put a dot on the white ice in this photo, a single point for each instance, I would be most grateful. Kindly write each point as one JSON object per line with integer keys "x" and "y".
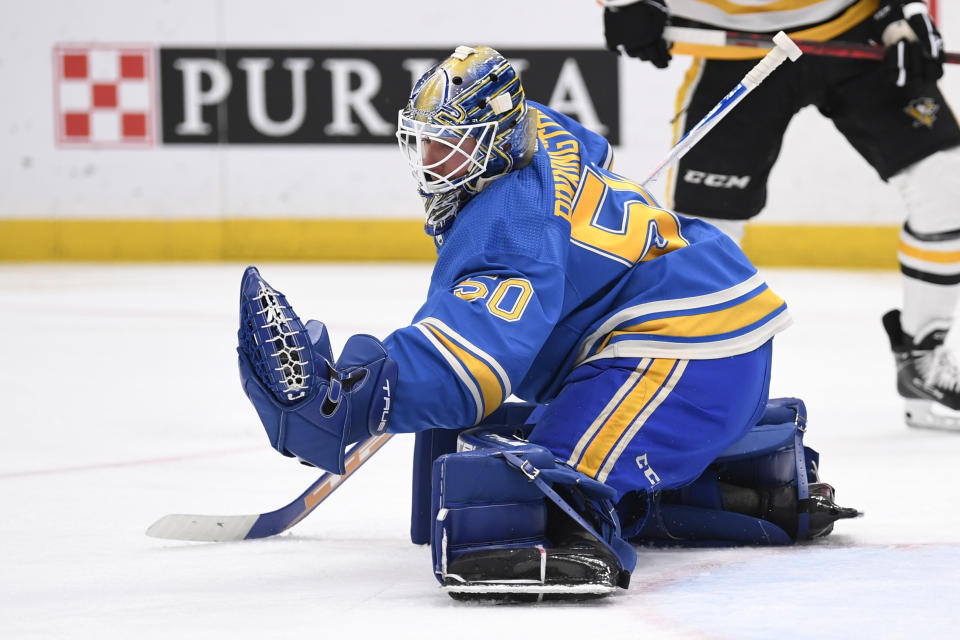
{"x": 120, "y": 403}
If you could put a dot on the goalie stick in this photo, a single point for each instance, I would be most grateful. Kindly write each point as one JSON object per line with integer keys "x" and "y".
{"x": 202, "y": 528}
{"x": 698, "y": 42}
{"x": 207, "y": 528}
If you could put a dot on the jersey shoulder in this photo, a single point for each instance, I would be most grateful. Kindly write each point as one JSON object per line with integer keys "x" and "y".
{"x": 559, "y": 132}
{"x": 507, "y": 225}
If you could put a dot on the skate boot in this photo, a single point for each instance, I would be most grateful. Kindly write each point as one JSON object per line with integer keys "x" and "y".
{"x": 928, "y": 377}
{"x": 781, "y": 506}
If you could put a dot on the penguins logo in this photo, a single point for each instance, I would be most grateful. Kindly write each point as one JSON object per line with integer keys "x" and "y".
{"x": 923, "y": 111}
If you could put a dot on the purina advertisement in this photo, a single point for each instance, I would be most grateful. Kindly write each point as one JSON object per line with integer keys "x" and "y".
{"x": 113, "y": 95}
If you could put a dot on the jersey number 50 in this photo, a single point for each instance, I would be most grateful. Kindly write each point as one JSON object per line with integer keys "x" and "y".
{"x": 508, "y": 300}
{"x": 617, "y": 218}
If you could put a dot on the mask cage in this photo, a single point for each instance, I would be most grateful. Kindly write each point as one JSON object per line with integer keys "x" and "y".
{"x": 445, "y": 157}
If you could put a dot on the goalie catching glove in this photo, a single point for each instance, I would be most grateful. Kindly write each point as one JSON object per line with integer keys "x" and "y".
{"x": 310, "y": 407}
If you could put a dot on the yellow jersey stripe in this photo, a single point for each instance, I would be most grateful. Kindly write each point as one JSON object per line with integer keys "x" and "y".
{"x": 641, "y": 420}
{"x": 735, "y": 8}
{"x": 942, "y": 257}
{"x": 490, "y": 390}
{"x": 671, "y": 348}
{"x": 457, "y": 368}
{"x": 476, "y": 351}
{"x": 709, "y": 324}
{"x": 622, "y": 417}
{"x": 822, "y": 32}
{"x": 628, "y": 314}
{"x": 846, "y": 21}
{"x": 591, "y": 431}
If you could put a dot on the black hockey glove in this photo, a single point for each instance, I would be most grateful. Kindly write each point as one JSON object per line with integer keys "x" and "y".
{"x": 914, "y": 46}
{"x": 637, "y": 29}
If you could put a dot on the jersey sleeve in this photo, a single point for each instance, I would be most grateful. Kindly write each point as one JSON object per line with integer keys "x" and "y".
{"x": 471, "y": 343}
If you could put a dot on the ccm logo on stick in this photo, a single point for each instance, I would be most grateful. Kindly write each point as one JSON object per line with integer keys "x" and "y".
{"x": 716, "y": 180}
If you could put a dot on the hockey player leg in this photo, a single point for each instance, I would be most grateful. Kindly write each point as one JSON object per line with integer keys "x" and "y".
{"x": 310, "y": 407}
{"x": 927, "y": 370}
{"x": 512, "y": 524}
{"x": 764, "y": 489}
{"x": 723, "y": 180}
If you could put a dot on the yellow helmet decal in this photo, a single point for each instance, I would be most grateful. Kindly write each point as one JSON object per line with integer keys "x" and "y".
{"x": 433, "y": 92}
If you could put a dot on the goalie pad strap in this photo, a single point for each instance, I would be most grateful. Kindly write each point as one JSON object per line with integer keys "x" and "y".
{"x": 612, "y": 541}
{"x": 803, "y": 486}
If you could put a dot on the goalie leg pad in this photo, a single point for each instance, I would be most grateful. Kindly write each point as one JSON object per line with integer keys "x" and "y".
{"x": 433, "y": 443}
{"x": 512, "y": 524}
{"x": 309, "y": 407}
{"x": 764, "y": 489}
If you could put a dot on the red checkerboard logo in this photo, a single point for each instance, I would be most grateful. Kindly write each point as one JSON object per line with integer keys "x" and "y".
{"x": 104, "y": 95}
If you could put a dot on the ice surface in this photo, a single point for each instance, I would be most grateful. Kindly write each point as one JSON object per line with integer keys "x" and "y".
{"x": 121, "y": 403}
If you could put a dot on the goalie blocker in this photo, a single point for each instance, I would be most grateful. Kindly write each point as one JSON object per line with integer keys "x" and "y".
{"x": 508, "y": 522}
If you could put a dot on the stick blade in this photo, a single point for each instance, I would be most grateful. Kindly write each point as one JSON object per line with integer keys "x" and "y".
{"x": 178, "y": 526}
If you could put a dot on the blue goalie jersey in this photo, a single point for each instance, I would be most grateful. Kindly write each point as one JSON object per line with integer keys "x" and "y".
{"x": 561, "y": 263}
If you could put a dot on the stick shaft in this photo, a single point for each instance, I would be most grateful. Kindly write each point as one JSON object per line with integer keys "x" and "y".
{"x": 316, "y": 492}
{"x": 209, "y": 528}
{"x": 751, "y": 81}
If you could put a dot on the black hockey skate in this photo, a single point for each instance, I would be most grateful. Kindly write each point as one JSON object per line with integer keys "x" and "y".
{"x": 780, "y": 506}
{"x": 928, "y": 377}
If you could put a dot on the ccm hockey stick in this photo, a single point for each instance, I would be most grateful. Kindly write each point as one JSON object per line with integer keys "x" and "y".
{"x": 783, "y": 48}
{"x": 262, "y": 525}
{"x": 698, "y": 42}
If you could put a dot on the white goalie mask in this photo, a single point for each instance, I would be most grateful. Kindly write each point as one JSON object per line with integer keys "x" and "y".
{"x": 466, "y": 123}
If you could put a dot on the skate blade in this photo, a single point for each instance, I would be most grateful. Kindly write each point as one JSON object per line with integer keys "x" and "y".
{"x": 523, "y": 591}
{"x": 927, "y": 414}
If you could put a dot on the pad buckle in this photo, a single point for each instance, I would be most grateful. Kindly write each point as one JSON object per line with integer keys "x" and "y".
{"x": 525, "y": 469}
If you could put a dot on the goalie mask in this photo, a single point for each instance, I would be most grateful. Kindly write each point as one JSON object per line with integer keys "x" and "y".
{"x": 466, "y": 123}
